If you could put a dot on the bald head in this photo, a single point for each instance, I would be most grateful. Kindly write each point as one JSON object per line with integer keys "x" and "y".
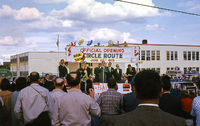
{"x": 59, "y": 82}
{"x": 34, "y": 77}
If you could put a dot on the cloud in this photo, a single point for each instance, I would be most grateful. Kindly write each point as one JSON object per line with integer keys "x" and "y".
{"x": 9, "y": 41}
{"x": 6, "y": 11}
{"x": 51, "y": 23}
{"x": 50, "y": 1}
{"x": 102, "y": 35}
{"x": 154, "y": 27}
{"x": 92, "y": 11}
{"x": 191, "y": 5}
{"x": 24, "y": 14}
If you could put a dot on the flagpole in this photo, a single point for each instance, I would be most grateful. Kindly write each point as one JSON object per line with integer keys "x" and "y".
{"x": 58, "y": 53}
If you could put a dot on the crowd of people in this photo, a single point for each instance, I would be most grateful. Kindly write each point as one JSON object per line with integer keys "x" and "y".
{"x": 44, "y": 101}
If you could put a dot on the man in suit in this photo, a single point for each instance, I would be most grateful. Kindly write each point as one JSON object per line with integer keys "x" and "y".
{"x": 168, "y": 102}
{"x": 129, "y": 101}
{"x": 62, "y": 69}
{"x": 49, "y": 82}
{"x": 118, "y": 74}
{"x": 67, "y": 67}
{"x": 110, "y": 71}
{"x": 97, "y": 70}
{"x": 130, "y": 72}
{"x": 103, "y": 73}
{"x": 148, "y": 89}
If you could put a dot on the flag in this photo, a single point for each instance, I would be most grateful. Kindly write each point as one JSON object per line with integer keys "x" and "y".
{"x": 57, "y": 43}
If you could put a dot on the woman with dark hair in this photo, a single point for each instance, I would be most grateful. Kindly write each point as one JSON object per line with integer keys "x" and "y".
{"x": 6, "y": 95}
{"x": 20, "y": 84}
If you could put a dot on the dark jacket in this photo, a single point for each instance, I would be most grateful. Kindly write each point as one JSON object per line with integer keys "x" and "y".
{"x": 170, "y": 103}
{"x": 132, "y": 72}
{"x": 129, "y": 102}
{"x": 110, "y": 73}
{"x": 118, "y": 76}
{"x": 62, "y": 71}
{"x": 97, "y": 70}
{"x": 147, "y": 116}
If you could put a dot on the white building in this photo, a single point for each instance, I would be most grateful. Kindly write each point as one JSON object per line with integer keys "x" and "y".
{"x": 163, "y": 57}
{"x": 42, "y": 62}
{"x": 159, "y": 57}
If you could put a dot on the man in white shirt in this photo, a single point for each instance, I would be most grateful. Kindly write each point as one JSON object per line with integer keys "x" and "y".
{"x": 75, "y": 108}
{"x": 34, "y": 104}
{"x": 148, "y": 89}
{"x": 57, "y": 92}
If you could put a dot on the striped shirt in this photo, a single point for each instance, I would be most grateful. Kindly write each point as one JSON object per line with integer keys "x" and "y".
{"x": 110, "y": 102}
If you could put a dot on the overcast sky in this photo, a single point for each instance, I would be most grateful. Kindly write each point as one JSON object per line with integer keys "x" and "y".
{"x": 33, "y": 25}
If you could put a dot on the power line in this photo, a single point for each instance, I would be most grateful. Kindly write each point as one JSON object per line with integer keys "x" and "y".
{"x": 158, "y": 8}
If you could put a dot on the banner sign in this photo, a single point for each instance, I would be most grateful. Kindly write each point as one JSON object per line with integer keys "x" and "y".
{"x": 98, "y": 54}
{"x": 122, "y": 88}
{"x": 6, "y": 73}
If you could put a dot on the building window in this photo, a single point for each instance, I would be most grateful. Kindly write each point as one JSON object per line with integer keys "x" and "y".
{"x": 157, "y": 55}
{"x": 189, "y": 55}
{"x": 197, "y": 55}
{"x": 148, "y": 68}
{"x": 139, "y": 55}
{"x": 185, "y": 55}
{"x": 148, "y": 55}
{"x": 21, "y": 73}
{"x": 185, "y": 70}
{"x": 158, "y": 70}
{"x": 176, "y": 55}
{"x": 168, "y": 68}
{"x": 26, "y": 58}
{"x": 143, "y": 69}
{"x": 167, "y": 55}
{"x": 153, "y": 69}
{"x": 172, "y": 68}
{"x": 197, "y": 69}
{"x": 193, "y": 55}
{"x": 172, "y": 55}
{"x": 152, "y": 55}
{"x": 143, "y": 55}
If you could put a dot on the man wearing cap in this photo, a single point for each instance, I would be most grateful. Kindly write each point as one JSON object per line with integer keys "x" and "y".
{"x": 75, "y": 108}
{"x": 57, "y": 92}
{"x": 34, "y": 105}
{"x": 148, "y": 89}
{"x": 110, "y": 102}
{"x": 130, "y": 72}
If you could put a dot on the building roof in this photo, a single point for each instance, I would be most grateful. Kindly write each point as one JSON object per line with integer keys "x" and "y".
{"x": 161, "y": 44}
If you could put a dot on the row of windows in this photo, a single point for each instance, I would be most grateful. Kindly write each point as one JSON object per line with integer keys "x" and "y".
{"x": 172, "y": 55}
{"x": 23, "y": 73}
{"x": 191, "y": 70}
{"x": 13, "y": 60}
{"x": 155, "y": 69}
{"x": 186, "y": 70}
{"x": 23, "y": 59}
{"x": 149, "y": 55}
{"x": 190, "y": 55}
